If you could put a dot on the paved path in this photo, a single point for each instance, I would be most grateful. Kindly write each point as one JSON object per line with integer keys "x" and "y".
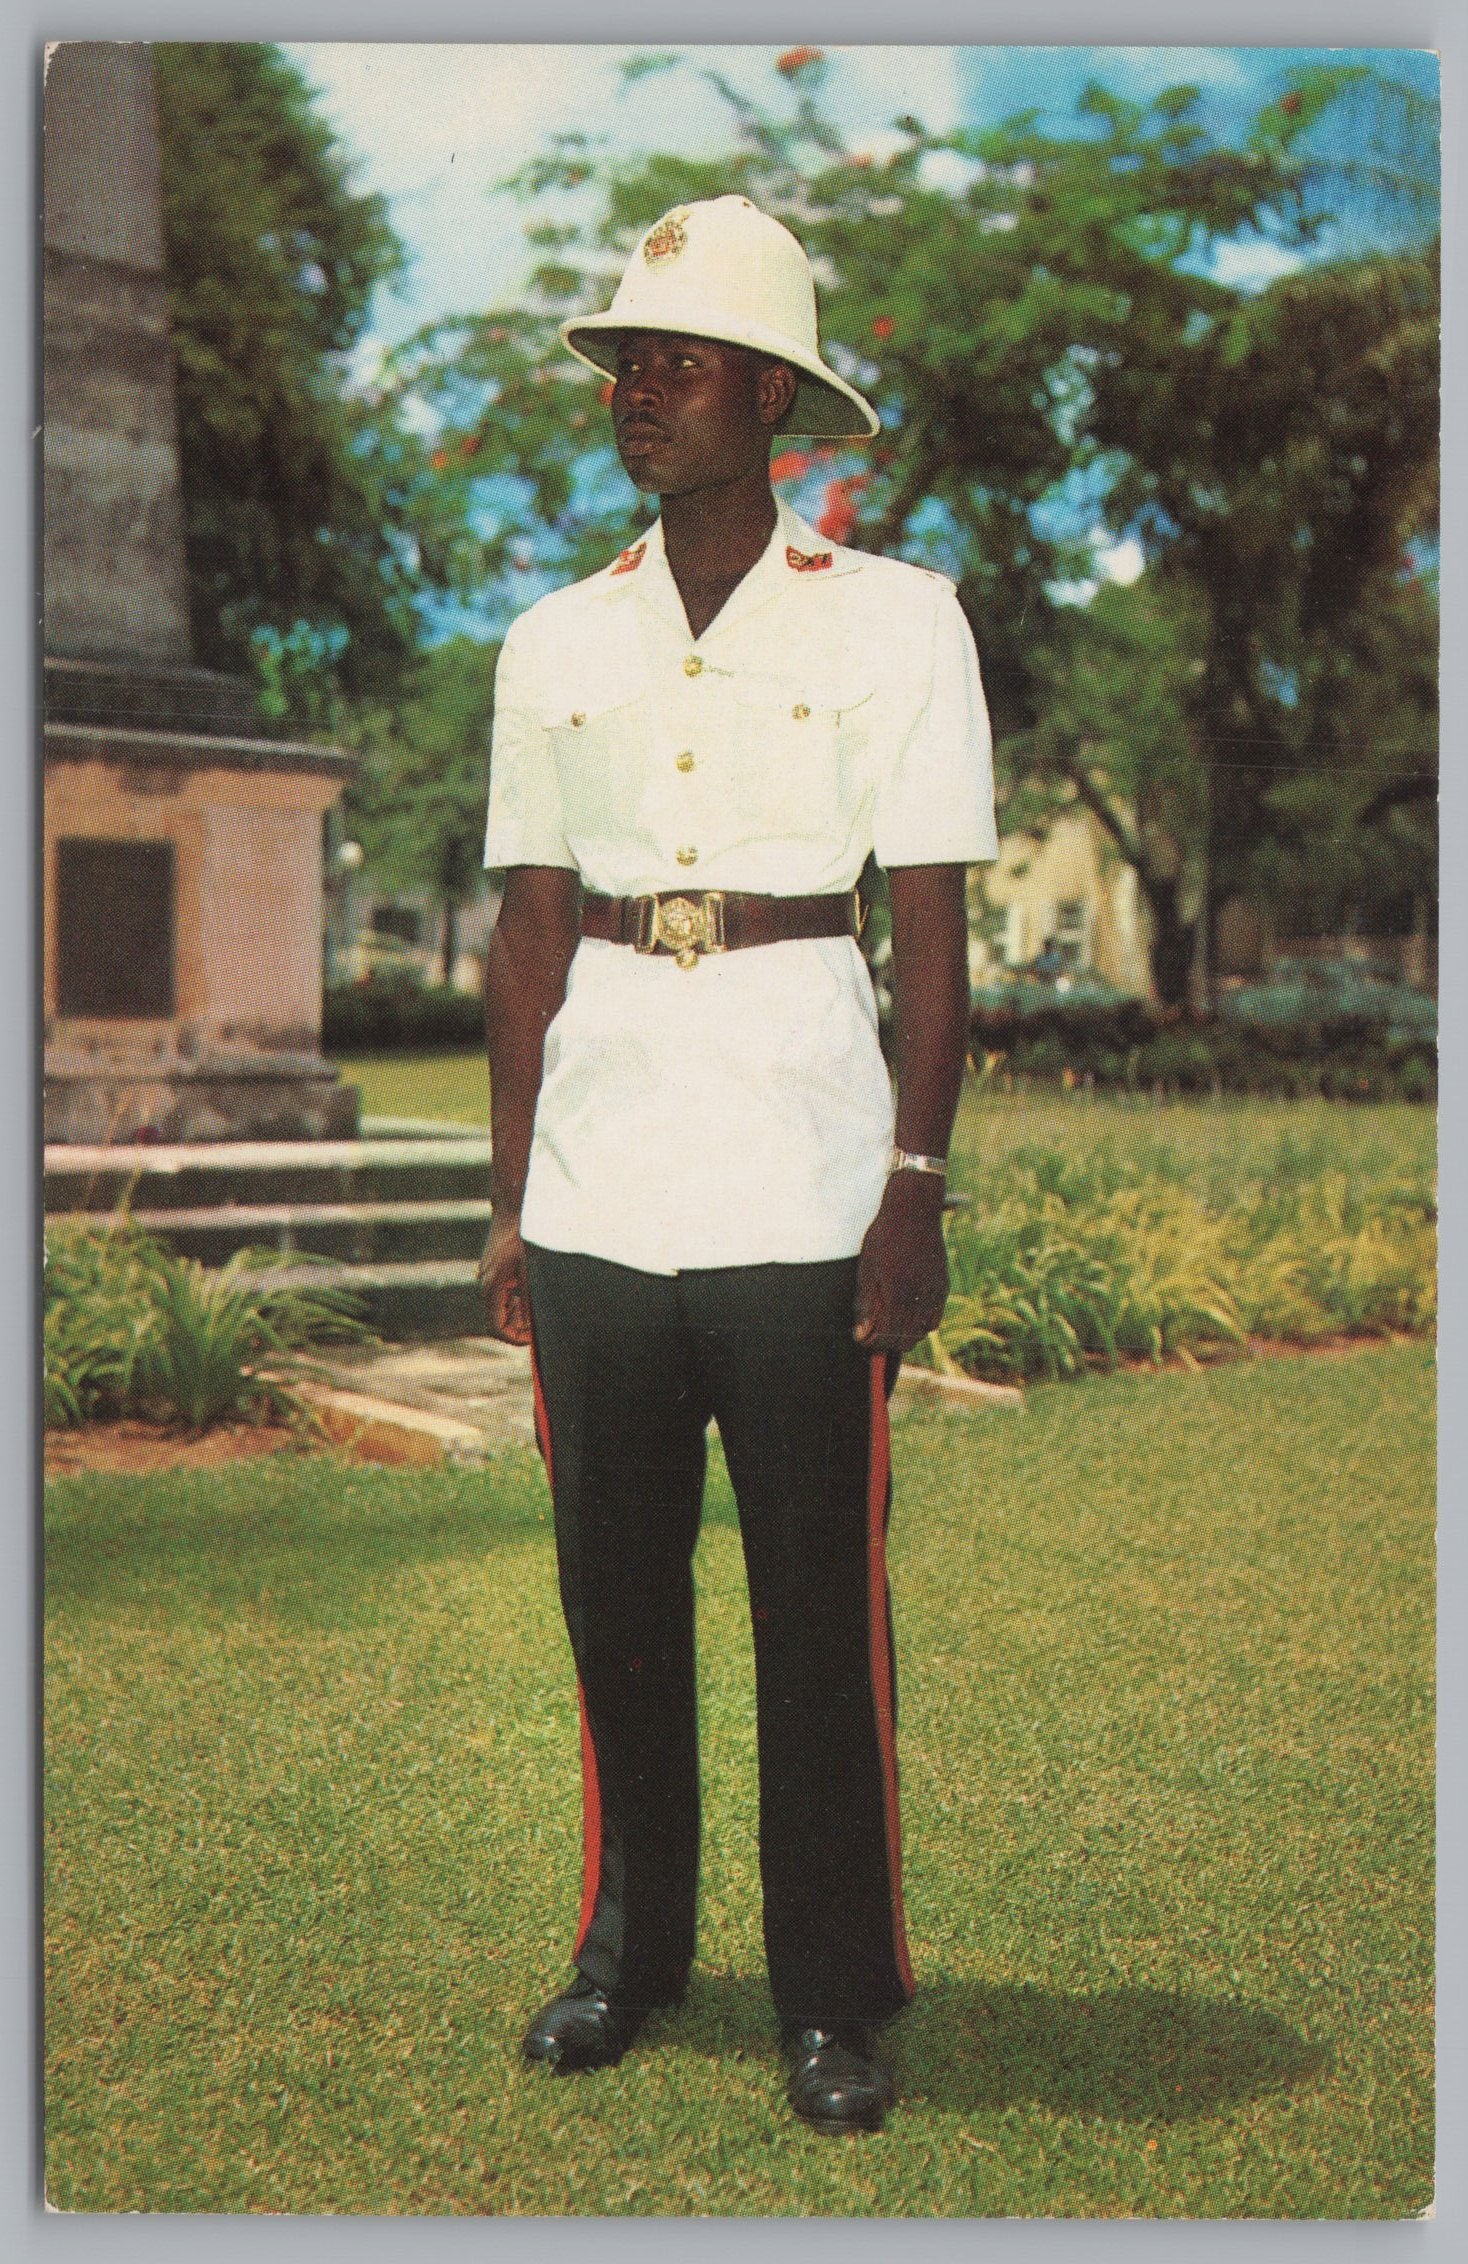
{"x": 471, "y": 1393}
{"x": 464, "y": 1397}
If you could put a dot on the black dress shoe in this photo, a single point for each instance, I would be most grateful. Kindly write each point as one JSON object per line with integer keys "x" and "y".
{"x": 835, "y": 2082}
{"x": 582, "y": 2028}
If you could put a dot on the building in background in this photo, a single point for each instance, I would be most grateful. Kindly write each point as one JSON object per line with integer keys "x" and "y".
{"x": 380, "y": 933}
{"x": 1069, "y": 902}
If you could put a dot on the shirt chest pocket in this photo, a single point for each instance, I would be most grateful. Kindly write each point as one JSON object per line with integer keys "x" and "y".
{"x": 596, "y": 729}
{"x": 799, "y": 754}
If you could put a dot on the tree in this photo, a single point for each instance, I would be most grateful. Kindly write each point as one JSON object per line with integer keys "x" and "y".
{"x": 1288, "y": 466}
{"x": 419, "y": 799}
{"x": 1284, "y": 462}
{"x": 1354, "y": 836}
{"x": 1036, "y": 318}
{"x": 298, "y": 490}
{"x": 1114, "y": 686}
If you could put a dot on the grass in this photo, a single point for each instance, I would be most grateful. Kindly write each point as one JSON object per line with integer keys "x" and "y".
{"x": 444, "y": 1088}
{"x": 1221, "y": 1143}
{"x": 1220, "y": 1147}
{"x": 1166, "y": 1658}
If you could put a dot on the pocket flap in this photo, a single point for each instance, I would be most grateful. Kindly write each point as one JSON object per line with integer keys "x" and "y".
{"x": 592, "y": 686}
{"x": 802, "y": 693}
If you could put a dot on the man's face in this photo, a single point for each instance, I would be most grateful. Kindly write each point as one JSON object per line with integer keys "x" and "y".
{"x": 692, "y": 413}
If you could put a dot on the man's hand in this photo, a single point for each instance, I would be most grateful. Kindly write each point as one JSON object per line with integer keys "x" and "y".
{"x": 902, "y": 1278}
{"x": 902, "y": 1281}
{"x": 502, "y": 1279}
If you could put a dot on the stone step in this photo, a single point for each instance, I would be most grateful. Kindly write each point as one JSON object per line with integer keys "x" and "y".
{"x": 399, "y": 1218}
{"x": 358, "y": 1233}
{"x": 418, "y": 1128}
{"x": 267, "y": 1174}
{"x": 413, "y": 1301}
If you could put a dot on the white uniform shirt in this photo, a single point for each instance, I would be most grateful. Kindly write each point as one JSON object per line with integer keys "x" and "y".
{"x": 739, "y": 1111}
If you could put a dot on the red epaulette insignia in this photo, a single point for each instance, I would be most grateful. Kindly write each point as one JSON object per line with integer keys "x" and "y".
{"x": 628, "y": 561}
{"x": 806, "y": 561}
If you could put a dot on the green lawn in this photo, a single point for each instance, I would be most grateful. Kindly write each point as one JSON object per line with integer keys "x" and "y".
{"x": 1223, "y": 1141}
{"x": 1166, "y": 1647}
{"x": 450, "y": 1088}
{"x": 1218, "y": 1144}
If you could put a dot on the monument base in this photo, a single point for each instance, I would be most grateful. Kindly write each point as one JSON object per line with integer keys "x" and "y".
{"x": 107, "y": 1102}
{"x": 183, "y": 941}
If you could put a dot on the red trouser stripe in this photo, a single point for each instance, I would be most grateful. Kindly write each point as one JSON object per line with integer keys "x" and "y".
{"x": 590, "y": 1781}
{"x": 590, "y": 1826}
{"x": 879, "y": 1471}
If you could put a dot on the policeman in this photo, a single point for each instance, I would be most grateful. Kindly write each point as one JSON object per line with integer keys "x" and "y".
{"x": 705, "y": 1205}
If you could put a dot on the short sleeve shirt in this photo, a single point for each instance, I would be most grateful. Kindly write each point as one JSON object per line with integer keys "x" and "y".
{"x": 738, "y": 1112}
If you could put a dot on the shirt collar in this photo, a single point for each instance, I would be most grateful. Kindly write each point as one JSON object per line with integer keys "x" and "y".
{"x": 795, "y": 554}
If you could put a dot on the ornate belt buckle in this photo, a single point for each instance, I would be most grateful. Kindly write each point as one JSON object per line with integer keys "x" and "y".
{"x": 684, "y": 925}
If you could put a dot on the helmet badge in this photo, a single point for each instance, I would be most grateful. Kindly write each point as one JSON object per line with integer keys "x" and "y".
{"x": 665, "y": 241}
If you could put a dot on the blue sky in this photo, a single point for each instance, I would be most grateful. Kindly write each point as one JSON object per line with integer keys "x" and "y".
{"x": 434, "y": 127}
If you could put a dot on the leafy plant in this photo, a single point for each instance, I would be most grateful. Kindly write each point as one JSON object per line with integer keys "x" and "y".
{"x": 1172, "y": 1272}
{"x": 1072, "y": 1264}
{"x": 98, "y": 1309}
{"x": 133, "y": 1329}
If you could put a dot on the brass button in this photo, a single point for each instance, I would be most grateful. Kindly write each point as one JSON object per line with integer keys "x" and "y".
{"x": 577, "y": 720}
{"x": 684, "y": 761}
{"x": 800, "y": 711}
{"x": 687, "y": 856}
{"x": 693, "y": 666}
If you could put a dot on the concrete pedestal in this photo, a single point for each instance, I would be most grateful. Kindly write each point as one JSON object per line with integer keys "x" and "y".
{"x": 226, "y": 1044}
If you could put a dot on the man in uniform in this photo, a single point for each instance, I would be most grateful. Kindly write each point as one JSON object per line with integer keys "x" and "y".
{"x": 705, "y": 1206}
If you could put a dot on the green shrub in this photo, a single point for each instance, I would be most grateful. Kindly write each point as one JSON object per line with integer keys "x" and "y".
{"x": 131, "y": 1329}
{"x": 1182, "y": 1058}
{"x": 1166, "y": 1255}
{"x": 1066, "y": 1265}
{"x": 1027, "y": 1299}
{"x": 98, "y": 1308}
{"x": 385, "y": 1015}
{"x": 1307, "y": 1043}
{"x": 1415, "y": 1077}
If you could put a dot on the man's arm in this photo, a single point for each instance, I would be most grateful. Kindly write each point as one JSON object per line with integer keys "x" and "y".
{"x": 525, "y": 970}
{"x": 902, "y": 1284}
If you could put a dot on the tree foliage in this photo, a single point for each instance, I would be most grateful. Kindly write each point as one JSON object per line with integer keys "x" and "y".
{"x": 1114, "y": 686}
{"x": 1353, "y": 834}
{"x": 1056, "y": 355}
{"x": 418, "y": 800}
{"x": 1278, "y": 465}
{"x": 297, "y": 488}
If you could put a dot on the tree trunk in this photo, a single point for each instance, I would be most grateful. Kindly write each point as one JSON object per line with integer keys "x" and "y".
{"x": 1173, "y": 941}
{"x": 449, "y": 957}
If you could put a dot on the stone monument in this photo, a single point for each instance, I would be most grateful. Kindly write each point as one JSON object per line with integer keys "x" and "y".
{"x": 183, "y": 847}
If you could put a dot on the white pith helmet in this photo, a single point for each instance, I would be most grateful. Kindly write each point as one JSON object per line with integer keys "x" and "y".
{"x": 723, "y": 269}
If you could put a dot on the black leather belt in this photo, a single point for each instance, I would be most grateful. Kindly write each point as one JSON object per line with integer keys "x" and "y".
{"x": 687, "y": 925}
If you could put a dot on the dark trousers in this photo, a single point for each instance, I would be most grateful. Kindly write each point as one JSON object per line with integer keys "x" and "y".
{"x": 630, "y": 1369}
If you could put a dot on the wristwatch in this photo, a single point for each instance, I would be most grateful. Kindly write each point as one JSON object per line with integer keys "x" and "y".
{"x": 904, "y": 1160}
